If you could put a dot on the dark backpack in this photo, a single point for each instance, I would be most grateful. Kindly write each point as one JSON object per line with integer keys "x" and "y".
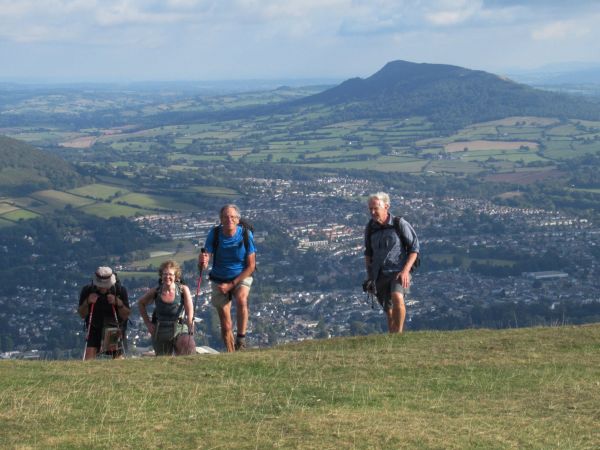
{"x": 179, "y": 282}
{"x": 246, "y": 227}
{"x": 405, "y": 243}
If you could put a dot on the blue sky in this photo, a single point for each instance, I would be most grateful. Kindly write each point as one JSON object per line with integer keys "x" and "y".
{"x": 139, "y": 40}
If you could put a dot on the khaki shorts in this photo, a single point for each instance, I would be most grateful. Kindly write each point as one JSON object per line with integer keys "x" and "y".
{"x": 219, "y": 300}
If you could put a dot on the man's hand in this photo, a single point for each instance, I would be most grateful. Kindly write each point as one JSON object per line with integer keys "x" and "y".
{"x": 203, "y": 258}
{"x": 92, "y": 298}
{"x": 224, "y": 288}
{"x": 404, "y": 278}
{"x": 111, "y": 299}
{"x": 369, "y": 286}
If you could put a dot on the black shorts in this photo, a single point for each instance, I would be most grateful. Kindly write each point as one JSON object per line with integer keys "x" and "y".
{"x": 95, "y": 338}
{"x": 384, "y": 286}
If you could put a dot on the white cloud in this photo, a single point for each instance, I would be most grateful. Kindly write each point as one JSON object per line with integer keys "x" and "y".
{"x": 560, "y": 30}
{"x": 128, "y": 13}
{"x": 453, "y": 12}
{"x": 291, "y": 36}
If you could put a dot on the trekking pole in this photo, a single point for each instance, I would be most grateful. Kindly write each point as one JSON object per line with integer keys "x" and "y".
{"x": 87, "y": 334}
{"x": 202, "y": 250}
{"x": 120, "y": 332}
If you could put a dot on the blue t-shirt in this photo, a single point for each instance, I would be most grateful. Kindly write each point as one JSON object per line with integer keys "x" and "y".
{"x": 231, "y": 253}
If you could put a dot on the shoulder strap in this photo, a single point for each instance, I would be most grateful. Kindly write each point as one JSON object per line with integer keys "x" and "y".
{"x": 368, "y": 239}
{"x": 215, "y": 242}
{"x": 246, "y": 236}
{"x": 399, "y": 231}
{"x": 180, "y": 310}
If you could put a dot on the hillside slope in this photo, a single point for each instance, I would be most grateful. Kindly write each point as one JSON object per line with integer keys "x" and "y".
{"x": 24, "y": 169}
{"x": 523, "y": 388}
{"x": 446, "y": 94}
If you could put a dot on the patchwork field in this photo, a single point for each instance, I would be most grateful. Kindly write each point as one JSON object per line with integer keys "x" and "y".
{"x": 108, "y": 210}
{"x": 59, "y": 199}
{"x": 99, "y": 191}
{"x": 488, "y": 145}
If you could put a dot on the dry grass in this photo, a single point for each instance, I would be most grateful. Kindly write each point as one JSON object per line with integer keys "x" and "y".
{"x": 526, "y": 388}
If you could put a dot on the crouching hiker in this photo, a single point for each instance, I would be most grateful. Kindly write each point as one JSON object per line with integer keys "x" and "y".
{"x": 172, "y": 324}
{"x": 104, "y": 305}
{"x": 231, "y": 246}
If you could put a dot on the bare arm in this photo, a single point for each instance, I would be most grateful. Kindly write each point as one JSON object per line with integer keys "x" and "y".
{"x": 120, "y": 305}
{"x": 143, "y": 302}
{"x": 84, "y": 308}
{"x": 188, "y": 306}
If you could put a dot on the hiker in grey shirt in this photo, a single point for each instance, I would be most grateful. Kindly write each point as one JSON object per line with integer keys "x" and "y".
{"x": 391, "y": 250}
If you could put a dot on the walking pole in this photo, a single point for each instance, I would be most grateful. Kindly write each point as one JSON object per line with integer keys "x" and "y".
{"x": 120, "y": 335}
{"x": 202, "y": 250}
{"x": 87, "y": 334}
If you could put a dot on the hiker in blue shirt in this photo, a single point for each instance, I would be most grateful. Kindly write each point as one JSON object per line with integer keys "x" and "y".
{"x": 231, "y": 246}
{"x": 391, "y": 251}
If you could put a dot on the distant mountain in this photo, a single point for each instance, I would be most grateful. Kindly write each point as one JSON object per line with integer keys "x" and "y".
{"x": 446, "y": 94}
{"x": 24, "y": 168}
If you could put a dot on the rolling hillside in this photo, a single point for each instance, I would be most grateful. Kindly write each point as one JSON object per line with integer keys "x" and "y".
{"x": 24, "y": 169}
{"x": 528, "y": 388}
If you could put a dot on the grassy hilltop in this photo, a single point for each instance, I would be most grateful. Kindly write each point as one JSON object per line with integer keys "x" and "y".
{"x": 524, "y": 388}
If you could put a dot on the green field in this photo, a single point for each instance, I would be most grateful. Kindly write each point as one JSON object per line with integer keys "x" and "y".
{"x": 59, "y": 199}
{"x": 215, "y": 191}
{"x": 107, "y": 210}
{"x": 155, "y": 261}
{"x": 7, "y": 207}
{"x": 153, "y": 202}
{"x": 355, "y": 144}
{"x": 20, "y": 214}
{"x": 99, "y": 191}
{"x": 475, "y": 389}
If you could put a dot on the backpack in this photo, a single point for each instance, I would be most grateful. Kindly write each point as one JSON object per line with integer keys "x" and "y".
{"x": 405, "y": 246}
{"x": 179, "y": 283}
{"x": 246, "y": 227}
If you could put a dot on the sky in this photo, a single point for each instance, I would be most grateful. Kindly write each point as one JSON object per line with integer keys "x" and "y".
{"x": 168, "y": 40}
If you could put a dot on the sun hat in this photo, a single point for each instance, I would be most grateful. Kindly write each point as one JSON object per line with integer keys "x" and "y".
{"x": 104, "y": 277}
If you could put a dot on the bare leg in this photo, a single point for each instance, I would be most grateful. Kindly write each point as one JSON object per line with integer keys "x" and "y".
{"x": 398, "y": 313}
{"x": 90, "y": 353}
{"x": 241, "y": 296}
{"x": 226, "y": 326}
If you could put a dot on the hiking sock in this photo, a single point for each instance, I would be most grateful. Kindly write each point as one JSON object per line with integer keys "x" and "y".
{"x": 240, "y": 341}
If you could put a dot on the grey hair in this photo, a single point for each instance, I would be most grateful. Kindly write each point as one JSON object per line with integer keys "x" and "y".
{"x": 234, "y": 207}
{"x": 380, "y": 196}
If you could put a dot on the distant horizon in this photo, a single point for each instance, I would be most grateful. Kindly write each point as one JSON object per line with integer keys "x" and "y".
{"x": 134, "y": 40}
{"x": 274, "y": 82}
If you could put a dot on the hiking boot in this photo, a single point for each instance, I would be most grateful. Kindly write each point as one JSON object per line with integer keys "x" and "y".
{"x": 240, "y": 343}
